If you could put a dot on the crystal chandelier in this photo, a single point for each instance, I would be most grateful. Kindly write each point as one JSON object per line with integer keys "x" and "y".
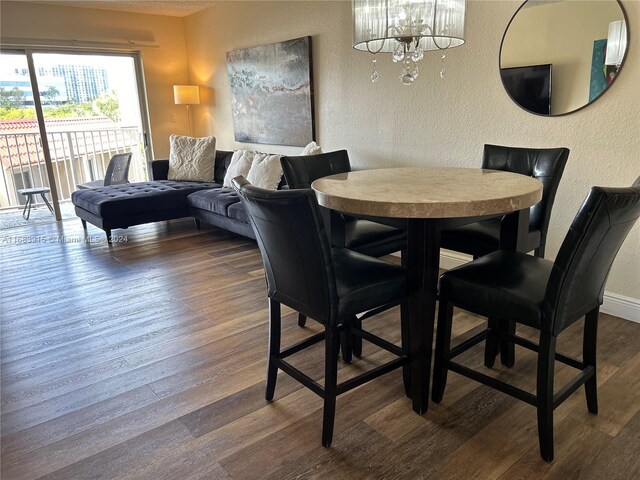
{"x": 407, "y": 29}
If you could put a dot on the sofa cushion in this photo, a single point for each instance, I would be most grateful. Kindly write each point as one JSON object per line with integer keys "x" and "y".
{"x": 240, "y": 165}
{"x": 312, "y": 148}
{"x": 217, "y": 201}
{"x": 238, "y": 212}
{"x": 265, "y": 171}
{"x": 223, "y": 160}
{"x": 137, "y": 197}
{"x": 191, "y": 159}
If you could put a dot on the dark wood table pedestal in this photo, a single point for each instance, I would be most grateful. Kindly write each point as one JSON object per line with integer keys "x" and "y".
{"x": 423, "y": 263}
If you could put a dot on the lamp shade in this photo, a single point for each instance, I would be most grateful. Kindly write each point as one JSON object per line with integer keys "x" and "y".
{"x": 616, "y": 43}
{"x": 186, "y": 94}
{"x": 379, "y": 25}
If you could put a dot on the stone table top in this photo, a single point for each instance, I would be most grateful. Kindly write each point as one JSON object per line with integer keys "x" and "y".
{"x": 427, "y": 192}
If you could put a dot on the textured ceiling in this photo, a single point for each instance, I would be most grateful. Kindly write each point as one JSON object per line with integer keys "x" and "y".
{"x": 174, "y": 8}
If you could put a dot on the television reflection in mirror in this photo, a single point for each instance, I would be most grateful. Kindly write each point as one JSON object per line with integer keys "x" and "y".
{"x": 529, "y": 87}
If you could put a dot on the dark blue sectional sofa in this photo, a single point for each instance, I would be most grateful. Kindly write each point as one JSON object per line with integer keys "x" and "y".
{"x": 122, "y": 206}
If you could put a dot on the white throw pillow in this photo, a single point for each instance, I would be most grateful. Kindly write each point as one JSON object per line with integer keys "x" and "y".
{"x": 240, "y": 165}
{"x": 191, "y": 158}
{"x": 266, "y": 171}
{"x": 312, "y": 149}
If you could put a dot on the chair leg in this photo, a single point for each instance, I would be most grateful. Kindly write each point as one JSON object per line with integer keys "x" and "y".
{"x": 346, "y": 343}
{"x": 274, "y": 347}
{"x": 84, "y": 224}
{"x": 544, "y": 394}
{"x": 302, "y": 320}
{"x": 356, "y": 342}
{"x": 405, "y": 338}
{"x": 589, "y": 357}
{"x": 27, "y": 207}
{"x": 108, "y": 233}
{"x": 46, "y": 202}
{"x": 330, "y": 383}
{"x": 443, "y": 344}
{"x": 539, "y": 252}
{"x": 197, "y": 223}
{"x": 491, "y": 347}
{"x": 404, "y": 329}
{"x": 507, "y": 347}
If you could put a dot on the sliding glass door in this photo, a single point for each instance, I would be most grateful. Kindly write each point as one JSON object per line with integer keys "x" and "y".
{"x": 23, "y": 165}
{"x": 62, "y": 117}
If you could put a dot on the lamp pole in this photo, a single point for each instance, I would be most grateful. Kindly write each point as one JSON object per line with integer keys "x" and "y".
{"x": 186, "y": 95}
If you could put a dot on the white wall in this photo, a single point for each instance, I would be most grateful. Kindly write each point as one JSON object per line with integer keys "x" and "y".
{"x": 435, "y": 121}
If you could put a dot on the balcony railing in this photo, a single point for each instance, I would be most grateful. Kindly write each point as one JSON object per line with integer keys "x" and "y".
{"x": 77, "y": 156}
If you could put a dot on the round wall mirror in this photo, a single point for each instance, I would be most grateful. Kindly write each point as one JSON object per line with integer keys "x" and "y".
{"x": 558, "y": 56}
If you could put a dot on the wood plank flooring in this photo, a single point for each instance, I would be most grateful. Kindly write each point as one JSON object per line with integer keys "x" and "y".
{"x": 146, "y": 360}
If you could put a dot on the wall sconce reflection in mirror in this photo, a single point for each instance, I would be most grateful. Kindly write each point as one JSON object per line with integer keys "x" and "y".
{"x": 616, "y": 43}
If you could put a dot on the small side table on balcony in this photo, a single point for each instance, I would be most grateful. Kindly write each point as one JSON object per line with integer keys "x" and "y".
{"x": 30, "y": 193}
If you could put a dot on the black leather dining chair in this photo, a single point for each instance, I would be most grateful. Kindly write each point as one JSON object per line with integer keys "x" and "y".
{"x": 548, "y": 296}
{"x": 481, "y": 238}
{"x": 328, "y": 284}
{"x": 545, "y": 164}
{"x": 363, "y": 236}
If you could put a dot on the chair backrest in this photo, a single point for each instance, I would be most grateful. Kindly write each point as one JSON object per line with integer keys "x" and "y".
{"x": 295, "y": 248}
{"x": 118, "y": 170}
{"x": 579, "y": 274}
{"x": 545, "y": 164}
{"x": 301, "y": 171}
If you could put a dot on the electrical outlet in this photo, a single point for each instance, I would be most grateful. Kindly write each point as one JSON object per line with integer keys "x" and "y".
{"x": 172, "y": 117}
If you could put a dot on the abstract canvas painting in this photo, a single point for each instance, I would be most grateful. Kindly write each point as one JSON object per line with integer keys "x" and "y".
{"x": 271, "y": 93}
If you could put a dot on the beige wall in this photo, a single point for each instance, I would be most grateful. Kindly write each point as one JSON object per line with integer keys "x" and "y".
{"x": 163, "y": 66}
{"x": 433, "y": 122}
{"x": 560, "y": 33}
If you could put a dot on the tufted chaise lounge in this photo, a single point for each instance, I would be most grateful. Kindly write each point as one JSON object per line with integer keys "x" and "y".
{"x": 122, "y": 206}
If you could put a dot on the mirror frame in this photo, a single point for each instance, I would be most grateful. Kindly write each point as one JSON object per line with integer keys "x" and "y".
{"x": 624, "y": 59}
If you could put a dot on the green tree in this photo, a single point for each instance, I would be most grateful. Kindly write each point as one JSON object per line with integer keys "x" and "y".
{"x": 70, "y": 110}
{"x": 67, "y": 110}
{"x": 11, "y": 98}
{"x": 107, "y": 104}
{"x": 50, "y": 94}
{"x": 17, "y": 113}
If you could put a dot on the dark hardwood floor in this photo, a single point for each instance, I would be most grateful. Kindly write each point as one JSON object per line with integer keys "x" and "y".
{"x": 146, "y": 360}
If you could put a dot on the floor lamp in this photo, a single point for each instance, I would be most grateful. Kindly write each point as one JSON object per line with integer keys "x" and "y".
{"x": 186, "y": 95}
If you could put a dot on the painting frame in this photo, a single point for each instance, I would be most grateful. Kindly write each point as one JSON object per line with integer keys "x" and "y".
{"x": 272, "y": 94}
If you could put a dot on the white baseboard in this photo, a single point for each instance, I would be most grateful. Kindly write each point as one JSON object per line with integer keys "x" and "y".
{"x": 614, "y": 304}
{"x": 621, "y": 306}
{"x": 450, "y": 259}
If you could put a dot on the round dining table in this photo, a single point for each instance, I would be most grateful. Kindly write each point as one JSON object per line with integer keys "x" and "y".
{"x": 431, "y": 199}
